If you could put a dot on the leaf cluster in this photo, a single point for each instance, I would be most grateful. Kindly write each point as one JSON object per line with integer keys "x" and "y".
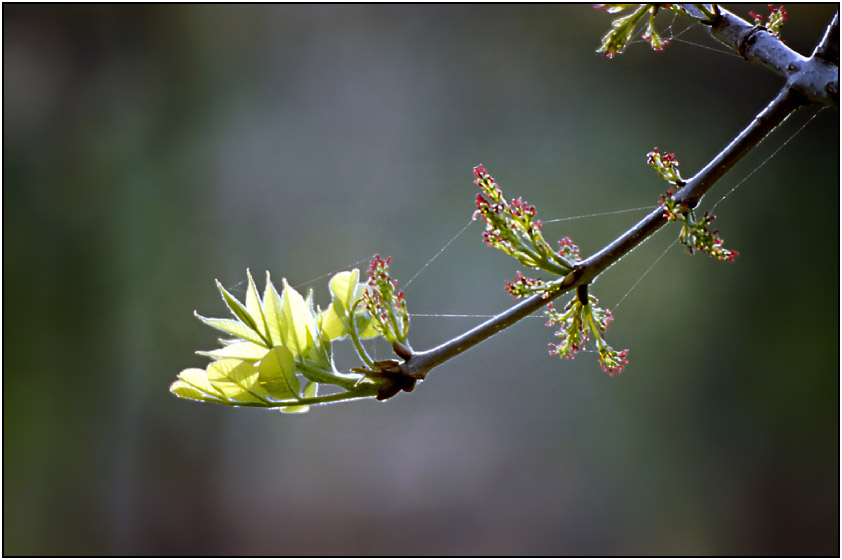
{"x": 279, "y": 354}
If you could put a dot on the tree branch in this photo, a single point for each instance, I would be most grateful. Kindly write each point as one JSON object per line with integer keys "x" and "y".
{"x": 585, "y": 272}
{"x": 808, "y": 80}
{"x": 817, "y": 77}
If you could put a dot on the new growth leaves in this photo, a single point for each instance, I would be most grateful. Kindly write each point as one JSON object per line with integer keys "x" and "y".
{"x": 280, "y": 351}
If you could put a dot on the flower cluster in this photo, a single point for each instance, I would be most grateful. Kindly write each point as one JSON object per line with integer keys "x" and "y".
{"x": 623, "y": 28}
{"x": 666, "y": 166}
{"x": 694, "y": 235}
{"x": 777, "y": 17}
{"x": 673, "y": 210}
{"x": 568, "y": 250}
{"x": 513, "y": 229}
{"x": 580, "y": 318}
{"x": 523, "y": 286}
{"x": 385, "y": 304}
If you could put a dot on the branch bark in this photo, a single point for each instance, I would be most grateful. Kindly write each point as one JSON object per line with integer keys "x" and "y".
{"x": 817, "y": 77}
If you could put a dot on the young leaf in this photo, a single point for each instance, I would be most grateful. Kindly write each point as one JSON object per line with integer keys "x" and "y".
{"x": 333, "y": 327}
{"x": 237, "y": 381}
{"x": 239, "y": 310}
{"x": 193, "y": 384}
{"x": 296, "y": 321}
{"x": 277, "y": 374}
{"x": 247, "y": 351}
{"x": 336, "y": 320}
{"x": 343, "y": 287}
{"x": 235, "y": 328}
{"x": 272, "y": 310}
{"x": 254, "y": 306}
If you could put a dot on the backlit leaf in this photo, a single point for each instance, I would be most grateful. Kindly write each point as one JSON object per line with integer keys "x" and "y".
{"x": 254, "y": 307}
{"x": 236, "y": 328}
{"x": 248, "y": 351}
{"x": 238, "y": 309}
{"x": 237, "y": 381}
{"x": 277, "y": 374}
{"x": 193, "y": 383}
{"x": 333, "y": 327}
{"x": 336, "y": 320}
{"x": 343, "y": 288}
{"x": 296, "y": 320}
{"x": 272, "y": 311}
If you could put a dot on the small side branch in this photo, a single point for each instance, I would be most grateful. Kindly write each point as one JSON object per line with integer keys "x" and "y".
{"x": 828, "y": 47}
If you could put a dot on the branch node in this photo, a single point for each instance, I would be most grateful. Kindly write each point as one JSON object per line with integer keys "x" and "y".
{"x": 749, "y": 40}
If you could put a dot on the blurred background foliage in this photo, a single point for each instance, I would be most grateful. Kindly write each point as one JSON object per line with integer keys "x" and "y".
{"x": 152, "y": 148}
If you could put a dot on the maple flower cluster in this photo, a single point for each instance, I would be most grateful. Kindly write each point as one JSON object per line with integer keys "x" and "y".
{"x": 695, "y": 235}
{"x": 580, "y": 317}
{"x": 513, "y": 229}
{"x": 623, "y": 28}
{"x": 384, "y": 302}
{"x": 777, "y": 17}
{"x": 666, "y": 166}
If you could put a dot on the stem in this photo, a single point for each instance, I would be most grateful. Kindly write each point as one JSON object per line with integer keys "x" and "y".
{"x": 421, "y": 362}
{"x": 356, "y": 340}
{"x": 344, "y": 380}
{"x": 787, "y": 101}
{"x": 359, "y": 393}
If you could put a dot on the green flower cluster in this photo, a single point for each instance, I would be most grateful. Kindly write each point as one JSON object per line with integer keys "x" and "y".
{"x": 512, "y": 228}
{"x": 624, "y": 28}
{"x": 580, "y": 317}
{"x": 777, "y": 17}
{"x": 695, "y": 234}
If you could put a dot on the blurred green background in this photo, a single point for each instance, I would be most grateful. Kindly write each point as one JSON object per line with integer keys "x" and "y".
{"x": 150, "y": 149}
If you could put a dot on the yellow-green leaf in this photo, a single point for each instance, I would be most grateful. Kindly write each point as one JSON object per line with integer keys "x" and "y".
{"x": 333, "y": 327}
{"x": 193, "y": 383}
{"x": 346, "y": 291}
{"x": 248, "y": 351}
{"x": 185, "y": 391}
{"x": 237, "y": 381}
{"x": 236, "y": 328}
{"x": 238, "y": 309}
{"x": 277, "y": 374}
{"x": 253, "y": 305}
{"x": 296, "y": 321}
{"x": 343, "y": 288}
{"x": 272, "y": 311}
